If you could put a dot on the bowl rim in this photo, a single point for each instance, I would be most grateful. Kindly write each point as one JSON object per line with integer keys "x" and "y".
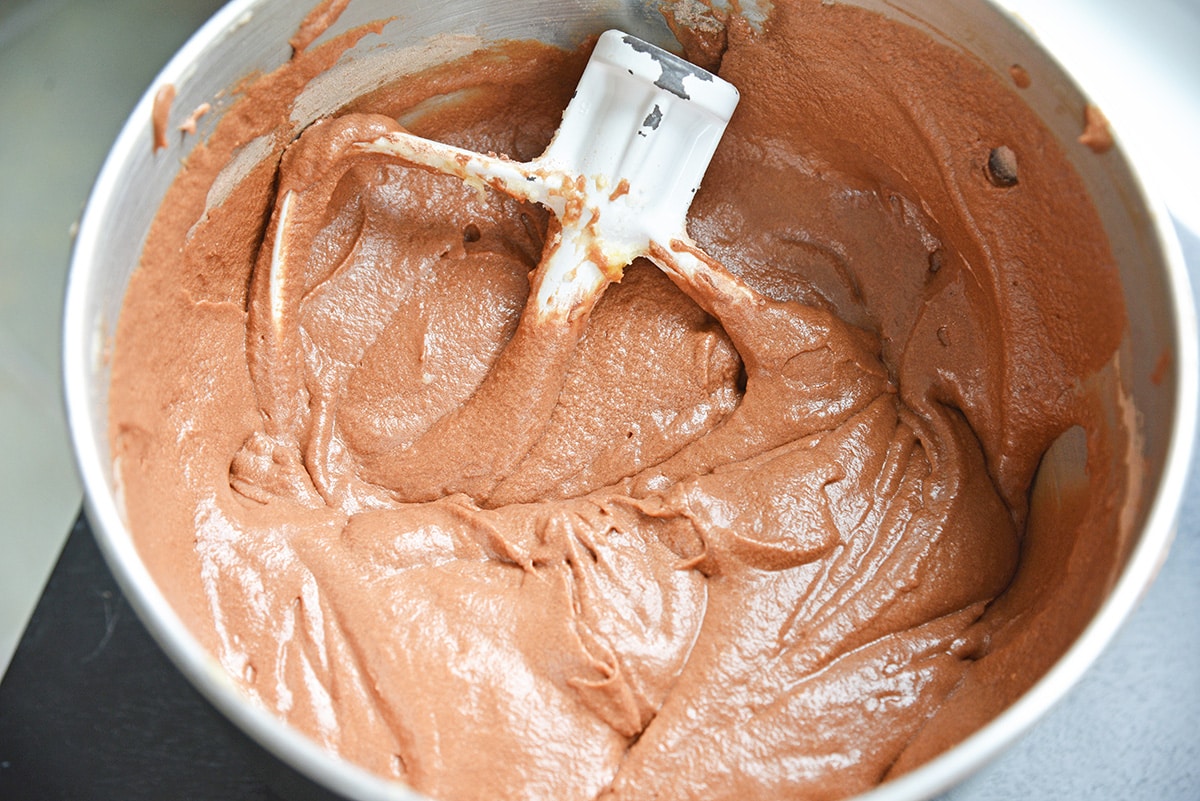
{"x": 332, "y": 771}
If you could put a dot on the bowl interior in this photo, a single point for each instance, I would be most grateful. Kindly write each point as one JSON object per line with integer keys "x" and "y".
{"x": 250, "y": 36}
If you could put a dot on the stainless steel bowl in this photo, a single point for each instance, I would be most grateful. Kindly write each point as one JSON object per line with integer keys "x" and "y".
{"x": 249, "y": 36}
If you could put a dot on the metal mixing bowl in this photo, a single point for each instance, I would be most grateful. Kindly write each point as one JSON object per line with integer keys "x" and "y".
{"x": 250, "y": 36}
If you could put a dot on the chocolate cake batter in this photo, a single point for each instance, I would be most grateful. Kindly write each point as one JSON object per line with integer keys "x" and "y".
{"x": 700, "y": 546}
